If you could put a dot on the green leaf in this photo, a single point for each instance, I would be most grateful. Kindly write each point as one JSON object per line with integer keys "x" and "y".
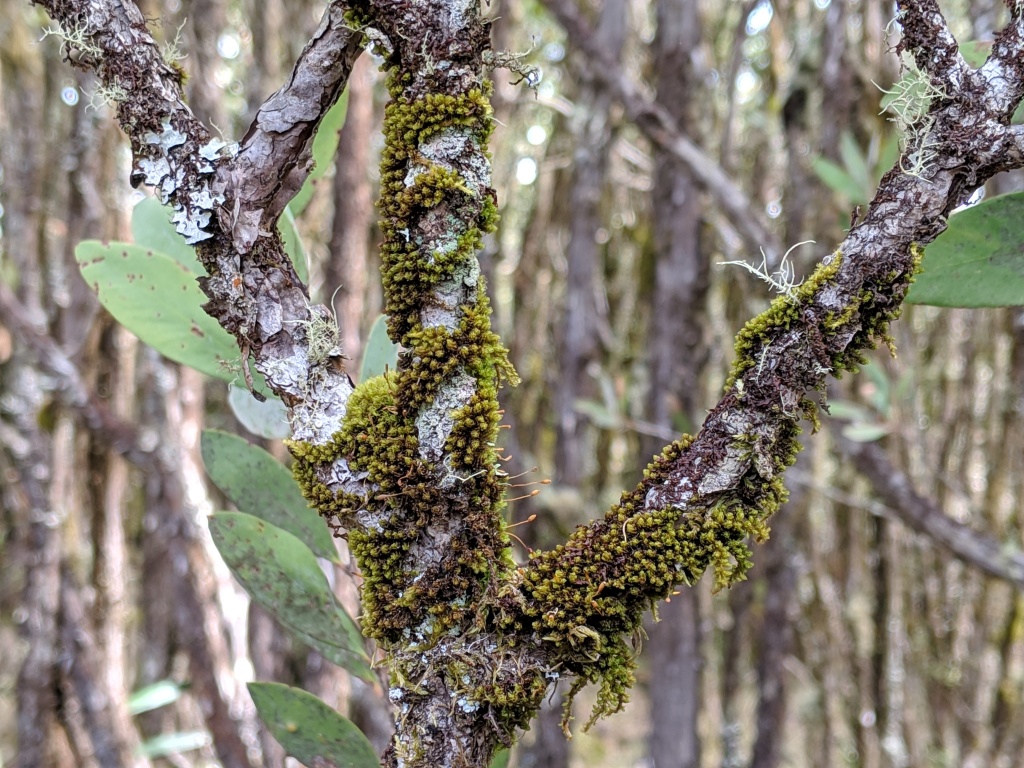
{"x": 309, "y": 730}
{"x": 174, "y": 743}
{"x": 152, "y": 228}
{"x": 880, "y": 396}
{"x": 268, "y": 419}
{"x": 154, "y": 696}
{"x": 979, "y": 260}
{"x": 975, "y": 52}
{"x": 293, "y": 243}
{"x": 838, "y": 180}
{"x": 844, "y": 409}
{"x": 600, "y": 415}
{"x": 865, "y": 433}
{"x": 856, "y": 167}
{"x": 887, "y": 157}
{"x": 281, "y": 573}
{"x": 501, "y": 758}
{"x": 380, "y": 353}
{"x": 260, "y": 485}
{"x": 325, "y": 145}
{"x": 157, "y": 298}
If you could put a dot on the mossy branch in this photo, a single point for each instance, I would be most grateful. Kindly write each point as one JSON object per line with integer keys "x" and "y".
{"x": 406, "y": 463}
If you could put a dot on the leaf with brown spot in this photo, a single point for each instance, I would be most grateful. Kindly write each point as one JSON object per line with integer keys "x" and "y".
{"x": 282, "y": 574}
{"x": 157, "y": 298}
{"x": 309, "y": 730}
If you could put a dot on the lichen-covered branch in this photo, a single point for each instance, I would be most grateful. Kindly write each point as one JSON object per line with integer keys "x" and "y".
{"x": 226, "y": 202}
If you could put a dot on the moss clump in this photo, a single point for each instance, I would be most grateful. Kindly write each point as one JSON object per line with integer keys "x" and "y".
{"x": 433, "y": 220}
{"x": 873, "y": 309}
{"x": 587, "y": 595}
{"x": 784, "y": 310}
{"x": 413, "y": 188}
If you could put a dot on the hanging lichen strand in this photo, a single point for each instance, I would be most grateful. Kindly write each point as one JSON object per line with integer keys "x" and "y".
{"x": 430, "y": 536}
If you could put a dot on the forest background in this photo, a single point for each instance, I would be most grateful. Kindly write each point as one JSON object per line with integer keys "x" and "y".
{"x": 858, "y": 638}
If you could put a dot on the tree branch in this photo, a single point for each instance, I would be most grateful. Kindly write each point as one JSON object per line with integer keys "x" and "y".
{"x": 705, "y": 496}
{"x": 273, "y": 161}
{"x": 662, "y": 129}
{"x": 120, "y": 436}
{"x": 922, "y": 515}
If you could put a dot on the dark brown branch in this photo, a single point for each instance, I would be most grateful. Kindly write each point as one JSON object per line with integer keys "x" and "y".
{"x": 661, "y": 128}
{"x": 274, "y": 159}
{"x": 721, "y": 486}
{"x": 921, "y": 514}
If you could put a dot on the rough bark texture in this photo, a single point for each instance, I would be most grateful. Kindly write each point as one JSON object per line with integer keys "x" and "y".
{"x": 406, "y": 463}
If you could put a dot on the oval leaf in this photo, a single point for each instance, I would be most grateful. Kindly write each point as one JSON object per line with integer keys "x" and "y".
{"x": 864, "y": 432}
{"x": 152, "y": 228}
{"x": 325, "y": 145}
{"x": 174, "y": 743}
{"x": 309, "y": 730}
{"x": 154, "y": 696}
{"x": 979, "y": 260}
{"x": 293, "y": 245}
{"x": 261, "y": 486}
{"x": 268, "y": 419}
{"x": 157, "y": 298}
{"x": 281, "y": 573}
{"x": 380, "y": 353}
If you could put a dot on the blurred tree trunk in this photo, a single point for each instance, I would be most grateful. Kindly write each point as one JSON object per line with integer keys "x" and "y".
{"x": 347, "y": 272}
{"x": 677, "y": 350}
{"x": 578, "y": 342}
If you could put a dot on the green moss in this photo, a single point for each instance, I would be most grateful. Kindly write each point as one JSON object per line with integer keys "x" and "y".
{"x": 872, "y": 310}
{"x": 409, "y": 269}
{"x": 433, "y": 222}
{"x": 786, "y": 308}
